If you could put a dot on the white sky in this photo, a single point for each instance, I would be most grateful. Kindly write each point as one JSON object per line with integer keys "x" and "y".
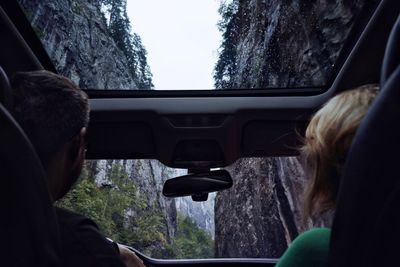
{"x": 181, "y": 38}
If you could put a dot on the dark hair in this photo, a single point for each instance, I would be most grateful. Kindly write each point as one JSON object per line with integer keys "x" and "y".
{"x": 50, "y": 108}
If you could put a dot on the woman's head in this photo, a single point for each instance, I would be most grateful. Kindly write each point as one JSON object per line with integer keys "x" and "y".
{"x": 327, "y": 140}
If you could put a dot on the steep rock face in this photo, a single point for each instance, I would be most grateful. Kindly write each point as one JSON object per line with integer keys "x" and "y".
{"x": 75, "y": 35}
{"x": 260, "y": 214}
{"x": 149, "y": 176}
{"x": 288, "y": 43}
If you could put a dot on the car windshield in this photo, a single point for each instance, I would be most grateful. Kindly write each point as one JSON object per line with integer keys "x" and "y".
{"x": 194, "y": 44}
{"x": 257, "y": 218}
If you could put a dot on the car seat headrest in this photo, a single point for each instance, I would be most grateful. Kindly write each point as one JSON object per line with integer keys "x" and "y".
{"x": 370, "y": 174}
{"x": 392, "y": 53}
{"x": 28, "y": 223}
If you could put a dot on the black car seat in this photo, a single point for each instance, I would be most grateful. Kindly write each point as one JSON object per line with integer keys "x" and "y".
{"x": 5, "y": 93}
{"x": 366, "y": 227}
{"x": 28, "y": 228}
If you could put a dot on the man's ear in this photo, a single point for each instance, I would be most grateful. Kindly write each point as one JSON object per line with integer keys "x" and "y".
{"x": 74, "y": 156}
{"x": 76, "y": 149}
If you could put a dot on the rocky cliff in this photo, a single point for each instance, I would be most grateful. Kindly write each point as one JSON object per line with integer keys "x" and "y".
{"x": 77, "y": 38}
{"x": 260, "y": 215}
{"x": 149, "y": 176}
{"x": 280, "y": 44}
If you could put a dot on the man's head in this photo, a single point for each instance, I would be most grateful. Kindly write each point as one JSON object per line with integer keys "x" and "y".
{"x": 54, "y": 113}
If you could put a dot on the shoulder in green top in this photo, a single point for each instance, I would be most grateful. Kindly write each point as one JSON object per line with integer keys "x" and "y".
{"x": 310, "y": 249}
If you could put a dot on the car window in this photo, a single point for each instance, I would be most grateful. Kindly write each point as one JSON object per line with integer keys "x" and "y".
{"x": 257, "y": 218}
{"x": 195, "y": 44}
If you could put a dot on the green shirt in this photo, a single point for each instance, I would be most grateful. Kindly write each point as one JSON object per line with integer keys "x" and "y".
{"x": 310, "y": 249}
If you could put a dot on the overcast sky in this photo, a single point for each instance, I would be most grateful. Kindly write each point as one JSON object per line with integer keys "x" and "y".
{"x": 181, "y": 38}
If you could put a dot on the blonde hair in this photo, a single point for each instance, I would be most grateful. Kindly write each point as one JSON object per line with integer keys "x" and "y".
{"x": 327, "y": 140}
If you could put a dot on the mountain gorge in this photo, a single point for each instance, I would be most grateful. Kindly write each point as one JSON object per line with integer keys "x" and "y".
{"x": 265, "y": 43}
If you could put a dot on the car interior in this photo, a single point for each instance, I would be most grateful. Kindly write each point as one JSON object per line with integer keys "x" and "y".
{"x": 203, "y": 130}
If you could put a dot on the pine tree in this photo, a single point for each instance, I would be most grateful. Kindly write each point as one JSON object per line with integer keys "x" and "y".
{"x": 130, "y": 44}
{"x": 144, "y": 76}
{"x": 225, "y": 68}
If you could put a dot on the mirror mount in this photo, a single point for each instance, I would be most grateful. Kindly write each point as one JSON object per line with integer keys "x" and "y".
{"x": 200, "y": 197}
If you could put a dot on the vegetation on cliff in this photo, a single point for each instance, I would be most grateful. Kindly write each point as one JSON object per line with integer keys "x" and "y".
{"x": 123, "y": 214}
{"x": 225, "y": 68}
{"x": 130, "y": 43}
{"x": 191, "y": 241}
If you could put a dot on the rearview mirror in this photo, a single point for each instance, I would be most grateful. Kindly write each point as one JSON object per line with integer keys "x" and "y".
{"x": 198, "y": 185}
